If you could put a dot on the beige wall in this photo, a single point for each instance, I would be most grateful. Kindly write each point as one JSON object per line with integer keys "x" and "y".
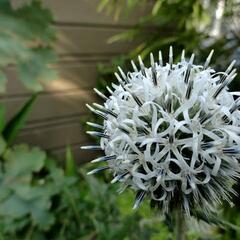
{"x": 82, "y": 43}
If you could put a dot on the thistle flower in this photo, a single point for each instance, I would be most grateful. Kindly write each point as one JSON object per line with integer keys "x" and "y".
{"x": 171, "y": 132}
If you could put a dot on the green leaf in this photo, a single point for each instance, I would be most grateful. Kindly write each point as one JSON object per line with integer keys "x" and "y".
{"x": 14, "y": 207}
{"x": 12, "y": 50}
{"x": 11, "y": 26}
{"x": 2, "y": 145}
{"x": 42, "y": 218}
{"x": 156, "y": 7}
{"x": 21, "y": 161}
{"x": 102, "y": 5}
{"x": 215, "y": 220}
{"x": 13, "y": 127}
{"x": 38, "y": 20}
{"x": 27, "y": 195}
{"x": 128, "y": 35}
{"x": 26, "y": 40}
{"x": 70, "y": 168}
{"x": 6, "y": 6}
{"x": 36, "y": 70}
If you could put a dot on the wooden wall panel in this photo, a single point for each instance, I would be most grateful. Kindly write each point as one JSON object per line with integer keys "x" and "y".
{"x": 89, "y": 41}
{"x": 84, "y": 11}
{"x": 49, "y": 106}
{"x": 80, "y": 155}
{"x": 71, "y": 76}
{"x": 58, "y": 135}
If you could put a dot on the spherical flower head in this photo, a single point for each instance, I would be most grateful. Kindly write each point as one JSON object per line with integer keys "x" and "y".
{"x": 171, "y": 132}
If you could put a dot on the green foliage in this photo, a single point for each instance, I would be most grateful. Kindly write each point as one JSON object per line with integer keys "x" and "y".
{"x": 20, "y": 201}
{"x": 20, "y": 198}
{"x": 14, "y": 126}
{"x": 38, "y": 200}
{"x": 117, "y": 7}
{"x": 26, "y": 39}
{"x": 105, "y": 215}
{"x": 10, "y": 130}
{"x": 182, "y": 24}
{"x": 28, "y": 183}
{"x": 167, "y": 23}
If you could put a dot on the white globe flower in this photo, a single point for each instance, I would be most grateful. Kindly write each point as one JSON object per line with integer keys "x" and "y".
{"x": 172, "y": 133}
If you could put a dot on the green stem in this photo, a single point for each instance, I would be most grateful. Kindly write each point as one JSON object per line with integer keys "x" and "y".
{"x": 73, "y": 205}
{"x": 180, "y": 230}
{"x": 29, "y": 232}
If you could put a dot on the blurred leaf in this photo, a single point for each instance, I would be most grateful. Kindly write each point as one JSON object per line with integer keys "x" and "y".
{"x": 12, "y": 50}
{"x": 157, "y": 45}
{"x": 37, "y": 19}
{"x": 215, "y": 219}
{"x": 36, "y": 70}
{"x": 14, "y": 126}
{"x": 19, "y": 196}
{"x": 102, "y": 5}
{"x": 42, "y": 217}
{"x": 26, "y": 39}
{"x": 156, "y": 7}
{"x": 126, "y": 35}
{"x": 14, "y": 207}
{"x": 6, "y": 5}
{"x": 119, "y": 8}
{"x": 21, "y": 160}
{"x": 70, "y": 168}
{"x": 2, "y": 145}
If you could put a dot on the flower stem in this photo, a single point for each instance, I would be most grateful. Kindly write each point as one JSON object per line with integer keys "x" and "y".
{"x": 180, "y": 225}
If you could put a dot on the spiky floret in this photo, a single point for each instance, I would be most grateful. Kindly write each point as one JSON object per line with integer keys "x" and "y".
{"x": 172, "y": 133}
